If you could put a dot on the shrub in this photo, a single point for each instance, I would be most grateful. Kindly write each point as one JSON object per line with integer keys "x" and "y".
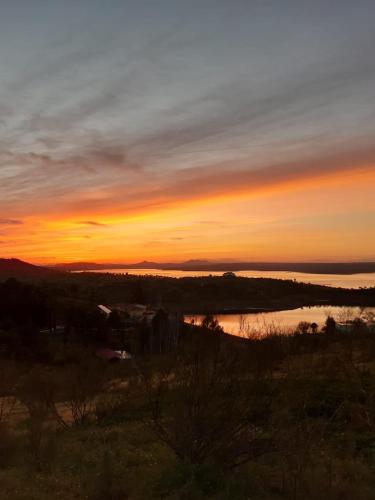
{"x": 7, "y": 445}
{"x": 201, "y": 407}
{"x": 37, "y": 391}
{"x": 106, "y": 486}
{"x": 79, "y": 387}
{"x": 8, "y": 380}
{"x": 111, "y": 407}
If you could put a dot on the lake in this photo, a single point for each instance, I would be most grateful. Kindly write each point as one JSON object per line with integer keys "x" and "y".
{"x": 244, "y": 325}
{"x": 336, "y": 280}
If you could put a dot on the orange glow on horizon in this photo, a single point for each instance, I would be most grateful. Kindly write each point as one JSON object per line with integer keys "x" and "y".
{"x": 170, "y": 230}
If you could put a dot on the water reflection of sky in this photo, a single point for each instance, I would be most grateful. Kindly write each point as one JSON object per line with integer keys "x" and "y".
{"x": 283, "y": 321}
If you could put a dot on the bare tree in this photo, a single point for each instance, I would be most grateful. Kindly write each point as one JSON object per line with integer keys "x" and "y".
{"x": 200, "y": 405}
{"x": 80, "y": 389}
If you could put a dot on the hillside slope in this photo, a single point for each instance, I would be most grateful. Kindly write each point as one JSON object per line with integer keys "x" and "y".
{"x": 16, "y": 268}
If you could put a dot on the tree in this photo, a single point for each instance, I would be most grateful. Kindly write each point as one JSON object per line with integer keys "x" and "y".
{"x": 36, "y": 390}
{"x": 314, "y": 327}
{"x": 359, "y": 325}
{"x": 114, "y": 320}
{"x": 202, "y": 408}
{"x": 138, "y": 296}
{"x": 209, "y": 322}
{"x": 303, "y": 327}
{"x": 80, "y": 388}
{"x": 330, "y": 325}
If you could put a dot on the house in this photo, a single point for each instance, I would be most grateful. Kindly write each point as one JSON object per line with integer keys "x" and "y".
{"x": 229, "y": 274}
{"x": 104, "y": 309}
{"x": 139, "y": 312}
{"x": 149, "y": 316}
{"x": 136, "y": 311}
{"x": 112, "y": 356}
{"x": 124, "y": 355}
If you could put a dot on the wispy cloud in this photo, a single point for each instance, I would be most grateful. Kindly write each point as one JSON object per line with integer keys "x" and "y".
{"x": 10, "y": 222}
{"x": 130, "y": 114}
{"x": 93, "y": 223}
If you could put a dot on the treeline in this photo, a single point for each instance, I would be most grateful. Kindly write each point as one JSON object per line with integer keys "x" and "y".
{"x": 198, "y": 295}
{"x": 34, "y": 318}
{"x": 212, "y": 294}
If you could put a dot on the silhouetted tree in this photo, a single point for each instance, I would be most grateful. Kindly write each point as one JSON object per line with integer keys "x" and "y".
{"x": 159, "y": 331}
{"x": 138, "y": 296}
{"x": 212, "y": 418}
{"x": 303, "y": 327}
{"x": 115, "y": 320}
{"x": 359, "y": 325}
{"x": 314, "y": 327}
{"x": 330, "y": 325}
{"x": 209, "y": 322}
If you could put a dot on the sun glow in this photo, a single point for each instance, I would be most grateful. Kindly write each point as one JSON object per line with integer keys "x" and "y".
{"x": 249, "y": 223}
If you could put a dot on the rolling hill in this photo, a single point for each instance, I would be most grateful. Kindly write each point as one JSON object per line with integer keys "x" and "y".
{"x": 16, "y": 268}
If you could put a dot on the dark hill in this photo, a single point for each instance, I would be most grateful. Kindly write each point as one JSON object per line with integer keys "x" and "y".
{"x": 15, "y": 268}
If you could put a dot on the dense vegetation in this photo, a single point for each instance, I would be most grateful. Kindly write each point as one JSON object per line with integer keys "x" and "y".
{"x": 204, "y": 294}
{"x": 212, "y": 416}
{"x": 211, "y": 294}
{"x": 196, "y": 295}
{"x": 280, "y": 417}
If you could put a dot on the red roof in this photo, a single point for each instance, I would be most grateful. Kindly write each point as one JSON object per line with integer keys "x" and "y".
{"x": 108, "y": 354}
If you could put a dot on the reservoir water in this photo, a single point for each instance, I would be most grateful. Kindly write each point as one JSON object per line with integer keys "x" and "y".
{"x": 282, "y": 321}
{"x": 245, "y": 325}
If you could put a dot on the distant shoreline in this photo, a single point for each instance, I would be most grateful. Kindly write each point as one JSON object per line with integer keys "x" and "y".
{"x": 347, "y": 268}
{"x": 240, "y": 310}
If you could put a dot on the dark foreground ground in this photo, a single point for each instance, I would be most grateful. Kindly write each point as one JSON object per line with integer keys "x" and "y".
{"x": 278, "y": 418}
{"x": 207, "y": 416}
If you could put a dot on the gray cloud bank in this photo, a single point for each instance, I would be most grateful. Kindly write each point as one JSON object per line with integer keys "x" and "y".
{"x": 137, "y": 111}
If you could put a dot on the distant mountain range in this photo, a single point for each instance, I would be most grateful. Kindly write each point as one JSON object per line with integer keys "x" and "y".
{"x": 92, "y": 266}
{"x": 205, "y": 265}
{"x": 19, "y": 269}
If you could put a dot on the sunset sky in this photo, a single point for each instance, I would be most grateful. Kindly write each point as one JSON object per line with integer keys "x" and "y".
{"x": 170, "y": 130}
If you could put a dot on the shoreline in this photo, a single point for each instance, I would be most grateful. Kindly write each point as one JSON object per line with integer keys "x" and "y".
{"x": 344, "y": 268}
{"x": 259, "y": 310}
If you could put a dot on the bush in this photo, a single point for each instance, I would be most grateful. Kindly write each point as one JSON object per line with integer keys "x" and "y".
{"x": 8, "y": 380}
{"x": 202, "y": 407}
{"x": 7, "y": 445}
{"x": 37, "y": 391}
{"x": 79, "y": 387}
{"x": 111, "y": 407}
{"x": 186, "y": 480}
{"x": 106, "y": 486}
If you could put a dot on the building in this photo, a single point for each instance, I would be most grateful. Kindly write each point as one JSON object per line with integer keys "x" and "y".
{"x": 104, "y": 309}
{"x": 112, "y": 356}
